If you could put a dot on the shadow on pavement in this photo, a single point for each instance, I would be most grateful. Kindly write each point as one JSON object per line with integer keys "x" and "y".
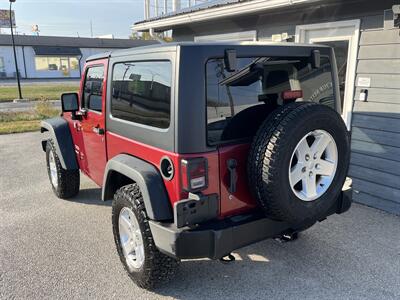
{"x": 90, "y": 196}
{"x": 251, "y": 276}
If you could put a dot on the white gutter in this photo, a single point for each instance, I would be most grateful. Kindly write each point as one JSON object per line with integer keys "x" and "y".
{"x": 216, "y": 12}
{"x": 155, "y": 37}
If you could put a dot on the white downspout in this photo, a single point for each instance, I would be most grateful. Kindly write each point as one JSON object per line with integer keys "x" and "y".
{"x": 155, "y": 37}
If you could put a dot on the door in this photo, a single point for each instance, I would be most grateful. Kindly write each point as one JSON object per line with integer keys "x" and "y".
{"x": 343, "y": 37}
{"x": 92, "y": 126}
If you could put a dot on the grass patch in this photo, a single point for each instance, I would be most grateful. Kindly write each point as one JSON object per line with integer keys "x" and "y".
{"x": 19, "y": 126}
{"x": 36, "y": 92}
{"x": 16, "y": 122}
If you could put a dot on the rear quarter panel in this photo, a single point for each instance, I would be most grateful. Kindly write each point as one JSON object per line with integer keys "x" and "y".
{"x": 118, "y": 144}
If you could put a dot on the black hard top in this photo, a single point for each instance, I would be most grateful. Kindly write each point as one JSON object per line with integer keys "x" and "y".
{"x": 173, "y": 46}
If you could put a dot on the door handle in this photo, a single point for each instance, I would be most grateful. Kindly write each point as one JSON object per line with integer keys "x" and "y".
{"x": 232, "y": 164}
{"x": 98, "y": 130}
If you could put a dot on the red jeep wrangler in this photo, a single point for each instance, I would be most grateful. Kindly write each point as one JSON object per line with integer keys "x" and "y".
{"x": 204, "y": 148}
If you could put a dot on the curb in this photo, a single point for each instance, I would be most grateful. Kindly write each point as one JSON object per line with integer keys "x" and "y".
{"x": 20, "y": 100}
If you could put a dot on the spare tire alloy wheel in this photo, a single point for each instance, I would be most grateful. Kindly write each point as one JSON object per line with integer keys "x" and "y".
{"x": 313, "y": 165}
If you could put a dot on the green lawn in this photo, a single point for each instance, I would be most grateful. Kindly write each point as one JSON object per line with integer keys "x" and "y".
{"x": 14, "y": 122}
{"x": 37, "y": 92}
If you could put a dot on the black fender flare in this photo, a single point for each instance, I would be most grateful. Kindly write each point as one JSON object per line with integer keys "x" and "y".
{"x": 60, "y": 133}
{"x": 155, "y": 197}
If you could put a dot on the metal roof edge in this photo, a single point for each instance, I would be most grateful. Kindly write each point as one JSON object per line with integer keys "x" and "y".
{"x": 219, "y": 10}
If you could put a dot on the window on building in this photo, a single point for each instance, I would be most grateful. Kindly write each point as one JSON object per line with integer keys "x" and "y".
{"x": 73, "y": 63}
{"x": 247, "y": 95}
{"x": 93, "y": 90}
{"x": 141, "y": 92}
{"x": 55, "y": 63}
{"x": 2, "y": 67}
{"x": 41, "y": 63}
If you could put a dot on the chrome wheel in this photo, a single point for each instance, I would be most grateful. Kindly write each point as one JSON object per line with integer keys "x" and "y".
{"x": 313, "y": 165}
{"x": 53, "y": 170}
{"x": 131, "y": 239}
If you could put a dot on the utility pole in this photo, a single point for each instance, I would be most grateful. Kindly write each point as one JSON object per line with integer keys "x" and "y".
{"x": 15, "y": 52}
{"x": 91, "y": 28}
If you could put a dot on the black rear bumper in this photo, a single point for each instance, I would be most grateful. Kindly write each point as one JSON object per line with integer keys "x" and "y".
{"x": 217, "y": 239}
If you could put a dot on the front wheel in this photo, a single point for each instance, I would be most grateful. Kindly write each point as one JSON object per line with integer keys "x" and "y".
{"x": 145, "y": 264}
{"x": 65, "y": 183}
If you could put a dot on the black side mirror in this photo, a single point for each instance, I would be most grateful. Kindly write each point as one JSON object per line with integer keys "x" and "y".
{"x": 69, "y": 102}
{"x": 230, "y": 60}
{"x": 316, "y": 59}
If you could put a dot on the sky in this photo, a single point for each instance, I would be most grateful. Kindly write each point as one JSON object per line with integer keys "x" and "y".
{"x": 72, "y": 18}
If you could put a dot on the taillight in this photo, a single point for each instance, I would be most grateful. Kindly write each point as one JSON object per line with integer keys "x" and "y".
{"x": 194, "y": 174}
{"x": 292, "y": 95}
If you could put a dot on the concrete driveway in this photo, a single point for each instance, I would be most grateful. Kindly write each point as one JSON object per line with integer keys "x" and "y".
{"x": 51, "y": 249}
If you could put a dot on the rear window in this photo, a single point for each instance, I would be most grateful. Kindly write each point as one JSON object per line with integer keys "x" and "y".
{"x": 237, "y": 102}
{"x": 141, "y": 92}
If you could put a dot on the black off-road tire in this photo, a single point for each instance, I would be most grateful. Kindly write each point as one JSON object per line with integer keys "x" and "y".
{"x": 68, "y": 180}
{"x": 157, "y": 268}
{"x": 270, "y": 156}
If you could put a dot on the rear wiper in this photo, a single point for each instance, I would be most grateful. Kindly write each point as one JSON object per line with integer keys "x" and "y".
{"x": 252, "y": 72}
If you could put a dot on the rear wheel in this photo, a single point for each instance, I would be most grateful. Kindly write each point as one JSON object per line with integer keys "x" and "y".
{"x": 299, "y": 161}
{"x": 145, "y": 264}
{"x": 65, "y": 183}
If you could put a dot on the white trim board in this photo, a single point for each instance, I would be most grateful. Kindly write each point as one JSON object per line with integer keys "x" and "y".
{"x": 226, "y": 37}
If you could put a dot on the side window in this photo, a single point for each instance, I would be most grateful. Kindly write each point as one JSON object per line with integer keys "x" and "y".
{"x": 141, "y": 92}
{"x": 93, "y": 89}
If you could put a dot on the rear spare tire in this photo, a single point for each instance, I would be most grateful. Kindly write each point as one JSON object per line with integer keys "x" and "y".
{"x": 298, "y": 162}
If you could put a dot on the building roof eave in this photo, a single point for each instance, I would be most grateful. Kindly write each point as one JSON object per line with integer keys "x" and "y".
{"x": 59, "y": 41}
{"x": 222, "y": 11}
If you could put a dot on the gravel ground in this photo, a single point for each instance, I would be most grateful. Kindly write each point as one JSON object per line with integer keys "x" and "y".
{"x": 56, "y": 249}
